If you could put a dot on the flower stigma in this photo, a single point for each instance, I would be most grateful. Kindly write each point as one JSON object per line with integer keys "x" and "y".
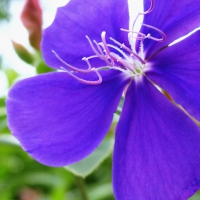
{"x": 116, "y": 55}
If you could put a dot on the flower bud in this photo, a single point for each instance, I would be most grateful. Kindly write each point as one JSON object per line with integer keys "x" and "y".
{"x": 23, "y": 53}
{"x": 32, "y": 19}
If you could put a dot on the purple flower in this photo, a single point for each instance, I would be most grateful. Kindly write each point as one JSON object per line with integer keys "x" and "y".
{"x": 61, "y": 117}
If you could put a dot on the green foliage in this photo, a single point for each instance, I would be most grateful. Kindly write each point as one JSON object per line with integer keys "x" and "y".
{"x": 43, "y": 68}
{"x": 3, "y": 118}
{"x": 20, "y": 174}
{"x": 89, "y": 164}
{"x": 11, "y": 75}
{"x": 23, "y": 53}
{"x": 196, "y": 196}
{"x": 4, "y": 5}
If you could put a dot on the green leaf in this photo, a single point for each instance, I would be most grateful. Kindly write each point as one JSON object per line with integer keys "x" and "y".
{"x": 4, "y": 10}
{"x": 2, "y": 102}
{"x": 102, "y": 191}
{"x": 11, "y": 76}
{"x": 23, "y": 53}
{"x": 43, "y": 68}
{"x": 90, "y": 163}
{"x": 3, "y": 124}
{"x": 196, "y": 196}
{"x": 2, "y": 111}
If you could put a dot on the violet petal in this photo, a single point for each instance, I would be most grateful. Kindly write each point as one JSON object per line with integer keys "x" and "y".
{"x": 173, "y": 17}
{"x": 157, "y": 148}
{"x": 58, "y": 120}
{"x": 66, "y": 35}
{"x": 177, "y": 70}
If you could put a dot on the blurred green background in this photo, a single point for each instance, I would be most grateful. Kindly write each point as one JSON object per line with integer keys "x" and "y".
{"x": 22, "y": 178}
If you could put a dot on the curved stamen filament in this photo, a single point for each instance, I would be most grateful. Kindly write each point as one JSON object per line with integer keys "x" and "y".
{"x": 158, "y": 30}
{"x": 150, "y": 8}
{"x": 106, "y": 58}
{"x": 99, "y": 47}
{"x": 70, "y": 66}
{"x": 125, "y": 62}
{"x": 119, "y": 50}
{"x": 143, "y": 36}
{"x": 131, "y": 35}
{"x": 144, "y": 13}
{"x": 86, "y": 81}
{"x": 103, "y": 37}
{"x": 122, "y": 61}
{"x": 136, "y": 37}
{"x": 99, "y": 54}
{"x": 89, "y": 65}
{"x": 123, "y": 46}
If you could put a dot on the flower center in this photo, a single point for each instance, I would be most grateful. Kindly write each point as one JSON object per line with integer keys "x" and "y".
{"x": 117, "y": 56}
{"x": 127, "y": 62}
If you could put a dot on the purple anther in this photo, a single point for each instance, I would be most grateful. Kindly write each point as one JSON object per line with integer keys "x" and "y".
{"x": 159, "y": 31}
{"x": 70, "y": 66}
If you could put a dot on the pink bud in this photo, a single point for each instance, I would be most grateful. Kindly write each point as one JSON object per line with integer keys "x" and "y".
{"x": 32, "y": 19}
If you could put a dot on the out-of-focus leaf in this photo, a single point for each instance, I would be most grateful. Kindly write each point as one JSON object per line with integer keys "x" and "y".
{"x": 3, "y": 120}
{"x": 2, "y": 111}
{"x": 3, "y": 117}
{"x": 4, "y": 14}
{"x": 30, "y": 178}
{"x": 3, "y": 124}
{"x": 8, "y": 139}
{"x": 100, "y": 192}
{"x": 196, "y": 196}
{"x": 43, "y": 68}
{"x": 90, "y": 163}
{"x": 11, "y": 76}
{"x": 23, "y": 53}
{"x": 42, "y": 178}
{"x": 19, "y": 172}
{"x": 2, "y": 102}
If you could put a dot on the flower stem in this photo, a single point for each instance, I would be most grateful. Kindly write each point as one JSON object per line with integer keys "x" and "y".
{"x": 81, "y": 186}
